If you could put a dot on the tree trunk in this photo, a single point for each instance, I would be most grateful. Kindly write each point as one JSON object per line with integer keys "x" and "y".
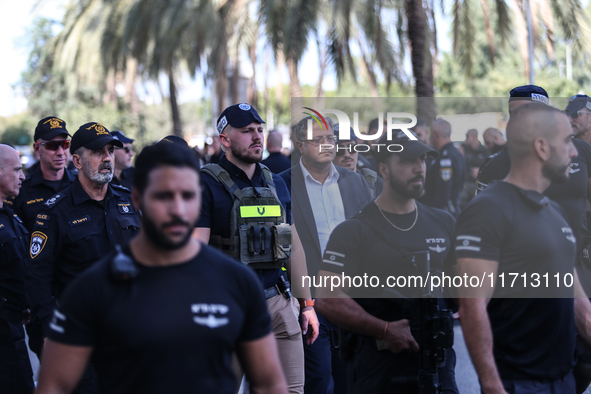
{"x": 421, "y": 59}
{"x": 251, "y": 92}
{"x": 522, "y": 35}
{"x": 177, "y": 128}
{"x": 489, "y": 31}
{"x": 131, "y": 98}
{"x": 295, "y": 90}
{"x": 279, "y": 86}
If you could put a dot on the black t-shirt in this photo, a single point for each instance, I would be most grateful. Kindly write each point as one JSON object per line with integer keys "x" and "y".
{"x": 171, "y": 329}
{"x": 368, "y": 244}
{"x": 533, "y": 338}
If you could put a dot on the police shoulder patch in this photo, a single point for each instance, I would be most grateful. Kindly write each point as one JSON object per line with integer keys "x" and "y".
{"x": 53, "y": 200}
{"x": 125, "y": 208}
{"x": 38, "y": 241}
{"x": 446, "y": 173}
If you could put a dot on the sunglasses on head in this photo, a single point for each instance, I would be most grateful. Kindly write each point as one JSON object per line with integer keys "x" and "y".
{"x": 126, "y": 149}
{"x": 575, "y": 114}
{"x": 54, "y": 145}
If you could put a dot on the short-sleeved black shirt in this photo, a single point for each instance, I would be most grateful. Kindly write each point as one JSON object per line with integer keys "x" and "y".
{"x": 71, "y": 232}
{"x": 368, "y": 244}
{"x": 172, "y": 329}
{"x": 13, "y": 250}
{"x": 35, "y": 191}
{"x": 533, "y": 338}
{"x": 445, "y": 180}
{"x": 216, "y": 205}
{"x": 126, "y": 178}
{"x": 570, "y": 195}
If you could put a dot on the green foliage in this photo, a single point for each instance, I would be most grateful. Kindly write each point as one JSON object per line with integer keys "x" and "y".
{"x": 17, "y": 129}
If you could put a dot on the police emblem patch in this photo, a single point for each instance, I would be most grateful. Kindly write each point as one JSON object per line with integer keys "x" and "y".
{"x": 125, "y": 208}
{"x": 244, "y": 107}
{"x": 222, "y": 124}
{"x": 38, "y": 241}
{"x": 446, "y": 173}
{"x": 54, "y": 123}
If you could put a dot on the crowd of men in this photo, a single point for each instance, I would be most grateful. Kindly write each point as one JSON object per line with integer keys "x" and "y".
{"x": 185, "y": 273}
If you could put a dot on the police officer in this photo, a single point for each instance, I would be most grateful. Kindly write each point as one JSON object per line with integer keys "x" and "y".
{"x": 347, "y": 157}
{"x": 243, "y": 205}
{"x": 16, "y": 375}
{"x": 276, "y": 161}
{"x": 474, "y": 154}
{"x": 81, "y": 223}
{"x": 393, "y": 235}
{"x": 446, "y": 174}
{"x": 52, "y": 146}
{"x": 123, "y": 171}
{"x": 511, "y": 228}
{"x": 166, "y": 313}
{"x": 52, "y": 175}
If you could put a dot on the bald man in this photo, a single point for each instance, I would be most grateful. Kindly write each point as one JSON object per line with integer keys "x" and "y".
{"x": 493, "y": 139}
{"x": 518, "y": 342}
{"x": 276, "y": 161}
{"x": 16, "y": 375}
{"x": 446, "y": 173}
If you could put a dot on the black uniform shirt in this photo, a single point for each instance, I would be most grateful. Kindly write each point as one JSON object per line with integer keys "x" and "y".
{"x": 445, "y": 180}
{"x": 570, "y": 195}
{"x": 71, "y": 232}
{"x": 172, "y": 329}
{"x": 533, "y": 338}
{"x": 35, "y": 191}
{"x": 216, "y": 205}
{"x": 126, "y": 179}
{"x": 368, "y": 244}
{"x": 13, "y": 251}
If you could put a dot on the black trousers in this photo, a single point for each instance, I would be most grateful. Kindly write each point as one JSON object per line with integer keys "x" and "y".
{"x": 16, "y": 374}
{"x": 565, "y": 385}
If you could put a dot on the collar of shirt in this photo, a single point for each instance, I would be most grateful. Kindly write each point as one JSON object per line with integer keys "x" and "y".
{"x": 236, "y": 172}
{"x": 37, "y": 176}
{"x": 333, "y": 175}
{"x": 79, "y": 194}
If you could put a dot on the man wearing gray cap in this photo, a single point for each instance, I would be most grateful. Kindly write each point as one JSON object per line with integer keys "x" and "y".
{"x": 78, "y": 225}
{"x": 394, "y": 235}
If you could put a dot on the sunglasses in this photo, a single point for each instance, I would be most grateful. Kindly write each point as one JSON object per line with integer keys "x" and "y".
{"x": 126, "y": 149}
{"x": 576, "y": 114}
{"x": 54, "y": 145}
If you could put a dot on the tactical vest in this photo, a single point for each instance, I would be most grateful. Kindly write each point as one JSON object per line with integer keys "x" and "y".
{"x": 260, "y": 236}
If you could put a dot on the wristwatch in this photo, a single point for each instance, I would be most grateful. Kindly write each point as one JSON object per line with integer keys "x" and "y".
{"x": 306, "y": 303}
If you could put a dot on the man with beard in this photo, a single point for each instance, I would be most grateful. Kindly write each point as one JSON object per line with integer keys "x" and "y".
{"x": 511, "y": 228}
{"x": 394, "y": 235}
{"x": 164, "y": 313}
{"x": 246, "y": 210}
{"x": 78, "y": 225}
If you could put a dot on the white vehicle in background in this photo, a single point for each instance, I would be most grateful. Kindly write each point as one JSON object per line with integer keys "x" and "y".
{"x": 26, "y": 154}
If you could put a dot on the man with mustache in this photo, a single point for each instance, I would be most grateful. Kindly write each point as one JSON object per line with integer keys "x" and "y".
{"x": 78, "y": 225}
{"x": 165, "y": 313}
{"x": 394, "y": 235}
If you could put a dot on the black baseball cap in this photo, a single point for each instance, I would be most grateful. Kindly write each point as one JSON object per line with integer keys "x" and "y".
{"x": 350, "y": 136}
{"x": 93, "y": 136}
{"x": 173, "y": 139}
{"x": 238, "y": 115}
{"x": 118, "y": 135}
{"x": 411, "y": 149}
{"x": 50, "y": 127}
{"x": 578, "y": 102}
{"x": 529, "y": 92}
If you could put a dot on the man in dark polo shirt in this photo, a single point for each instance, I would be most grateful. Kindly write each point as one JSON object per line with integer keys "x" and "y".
{"x": 223, "y": 184}
{"x": 276, "y": 161}
{"x": 518, "y": 343}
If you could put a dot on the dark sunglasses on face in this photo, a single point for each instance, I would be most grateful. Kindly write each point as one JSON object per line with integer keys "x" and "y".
{"x": 126, "y": 149}
{"x": 54, "y": 145}
{"x": 575, "y": 114}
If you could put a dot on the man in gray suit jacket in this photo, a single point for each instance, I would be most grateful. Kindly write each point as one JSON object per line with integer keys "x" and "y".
{"x": 323, "y": 196}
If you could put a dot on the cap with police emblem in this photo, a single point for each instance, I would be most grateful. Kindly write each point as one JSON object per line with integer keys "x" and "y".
{"x": 578, "y": 102}
{"x": 93, "y": 136}
{"x": 411, "y": 149}
{"x": 529, "y": 92}
{"x": 49, "y": 128}
{"x": 118, "y": 135}
{"x": 173, "y": 139}
{"x": 238, "y": 115}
